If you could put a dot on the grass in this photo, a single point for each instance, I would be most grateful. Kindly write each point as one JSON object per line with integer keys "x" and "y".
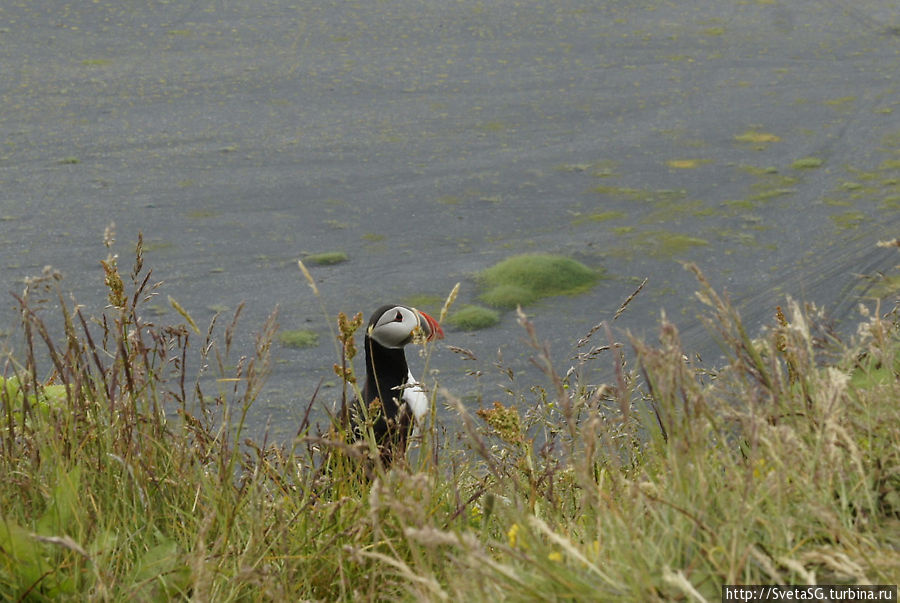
{"x": 664, "y": 244}
{"x": 886, "y": 286}
{"x": 473, "y": 318}
{"x": 686, "y": 164}
{"x": 298, "y": 338}
{"x": 327, "y": 258}
{"x": 125, "y": 478}
{"x": 642, "y": 195}
{"x": 849, "y": 219}
{"x": 807, "y": 163}
{"x": 524, "y": 279}
{"x": 757, "y": 137}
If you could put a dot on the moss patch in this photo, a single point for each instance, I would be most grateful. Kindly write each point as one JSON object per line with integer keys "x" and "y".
{"x": 508, "y": 296}
{"x": 768, "y": 195}
{"x": 759, "y": 171}
{"x": 299, "y": 338}
{"x": 849, "y": 220}
{"x": 638, "y": 194}
{"x": 602, "y": 216}
{"x": 493, "y": 127}
{"x": 757, "y": 137}
{"x": 686, "y": 164}
{"x": 523, "y": 279}
{"x": 888, "y": 286}
{"x": 842, "y": 102}
{"x": 605, "y": 168}
{"x": 807, "y": 163}
{"x": 327, "y": 258}
{"x": 472, "y": 318}
{"x": 665, "y": 244}
{"x": 890, "y": 203}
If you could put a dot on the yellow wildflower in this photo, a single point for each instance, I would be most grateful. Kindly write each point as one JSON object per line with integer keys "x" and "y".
{"x": 513, "y": 535}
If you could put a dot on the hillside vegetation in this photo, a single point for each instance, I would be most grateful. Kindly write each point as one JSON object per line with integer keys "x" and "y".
{"x": 124, "y": 479}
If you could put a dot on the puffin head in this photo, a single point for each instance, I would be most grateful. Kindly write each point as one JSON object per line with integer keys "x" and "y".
{"x": 395, "y": 326}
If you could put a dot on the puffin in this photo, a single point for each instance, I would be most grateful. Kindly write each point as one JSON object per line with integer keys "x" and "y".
{"x": 402, "y": 399}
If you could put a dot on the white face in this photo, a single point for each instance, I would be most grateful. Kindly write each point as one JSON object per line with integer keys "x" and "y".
{"x": 394, "y": 329}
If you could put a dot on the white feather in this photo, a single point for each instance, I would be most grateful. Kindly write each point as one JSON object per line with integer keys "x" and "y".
{"x": 416, "y": 398}
{"x": 391, "y": 332}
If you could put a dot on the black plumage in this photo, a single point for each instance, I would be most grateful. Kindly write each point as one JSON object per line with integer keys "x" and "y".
{"x": 388, "y": 380}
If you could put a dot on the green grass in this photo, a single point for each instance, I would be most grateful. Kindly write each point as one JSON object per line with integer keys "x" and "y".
{"x": 473, "y": 318}
{"x": 807, "y": 163}
{"x": 664, "y": 244}
{"x": 509, "y": 296}
{"x": 327, "y": 258}
{"x": 849, "y": 219}
{"x": 757, "y": 137}
{"x": 523, "y": 279}
{"x": 885, "y": 286}
{"x": 298, "y": 338}
{"x": 769, "y": 194}
{"x": 126, "y": 478}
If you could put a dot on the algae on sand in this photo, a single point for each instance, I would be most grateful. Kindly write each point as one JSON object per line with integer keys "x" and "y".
{"x": 523, "y": 279}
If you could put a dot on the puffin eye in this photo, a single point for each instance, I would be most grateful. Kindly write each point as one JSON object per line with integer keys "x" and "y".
{"x": 399, "y": 317}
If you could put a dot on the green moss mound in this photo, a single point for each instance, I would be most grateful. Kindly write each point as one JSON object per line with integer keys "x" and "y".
{"x": 524, "y": 279}
{"x": 807, "y": 163}
{"x": 508, "y": 296}
{"x": 300, "y": 338}
{"x": 472, "y": 318}
{"x": 327, "y": 258}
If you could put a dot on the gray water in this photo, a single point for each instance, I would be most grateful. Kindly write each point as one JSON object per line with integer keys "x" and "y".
{"x": 429, "y": 139}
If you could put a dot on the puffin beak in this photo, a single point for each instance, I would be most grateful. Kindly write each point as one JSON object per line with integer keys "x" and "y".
{"x": 431, "y": 327}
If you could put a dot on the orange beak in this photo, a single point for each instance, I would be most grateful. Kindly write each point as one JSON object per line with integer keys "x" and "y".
{"x": 432, "y": 327}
